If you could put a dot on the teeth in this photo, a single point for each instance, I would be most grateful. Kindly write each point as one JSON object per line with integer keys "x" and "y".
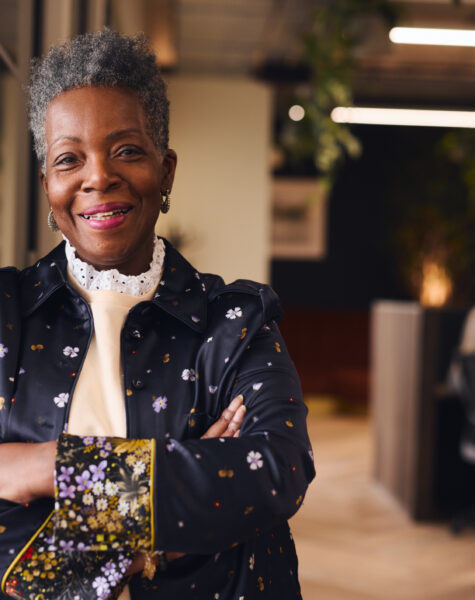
{"x": 106, "y": 215}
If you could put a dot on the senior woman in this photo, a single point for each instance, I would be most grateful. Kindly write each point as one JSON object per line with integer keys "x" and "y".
{"x": 149, "y": 413}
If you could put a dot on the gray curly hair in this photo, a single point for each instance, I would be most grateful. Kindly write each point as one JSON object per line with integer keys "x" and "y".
{"x": 101, "y": 59}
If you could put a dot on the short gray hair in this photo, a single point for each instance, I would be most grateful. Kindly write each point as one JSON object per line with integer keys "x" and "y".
{"x": 101, "y": 59}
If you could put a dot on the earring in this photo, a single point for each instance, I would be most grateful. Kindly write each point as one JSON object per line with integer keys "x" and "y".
{"x": 52, "y": 221}
{"x": 165, "y": 205}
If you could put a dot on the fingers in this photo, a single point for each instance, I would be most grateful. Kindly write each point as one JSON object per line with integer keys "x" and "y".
{"x": 235, "y": 424}
{"x": 230, "y": 420}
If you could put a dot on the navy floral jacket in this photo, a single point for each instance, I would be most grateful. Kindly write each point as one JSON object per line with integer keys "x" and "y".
{"x": 223, "y": 502}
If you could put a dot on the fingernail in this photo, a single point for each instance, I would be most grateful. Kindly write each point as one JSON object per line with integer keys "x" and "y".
{"x": 236, "y": 402}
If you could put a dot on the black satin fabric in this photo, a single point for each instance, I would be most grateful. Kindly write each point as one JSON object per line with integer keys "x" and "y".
{"x": 197, "y": 344}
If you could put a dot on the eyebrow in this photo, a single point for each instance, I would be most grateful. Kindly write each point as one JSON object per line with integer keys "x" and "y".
{"x": 120, "y": 132}
{"x": 111, "y": 136}
{"x": 65, "y": 137}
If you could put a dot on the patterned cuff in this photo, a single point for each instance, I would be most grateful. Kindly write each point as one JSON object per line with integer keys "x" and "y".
{"x": 42, "y": 571}
{"x": 104, "y": 494}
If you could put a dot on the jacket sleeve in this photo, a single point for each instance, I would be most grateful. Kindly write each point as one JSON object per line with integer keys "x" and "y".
{"x": 213, "y": 493}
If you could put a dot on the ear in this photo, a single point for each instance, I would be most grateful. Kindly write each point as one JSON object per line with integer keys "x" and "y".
{"x": 44, "y": 182}
{"x": 169, "y": 165}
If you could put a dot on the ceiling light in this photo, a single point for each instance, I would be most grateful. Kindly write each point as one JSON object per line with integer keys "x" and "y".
{"x": 404, "y": 116}
{"x": 432, "y": 36}
{"x": 296, "y": 112}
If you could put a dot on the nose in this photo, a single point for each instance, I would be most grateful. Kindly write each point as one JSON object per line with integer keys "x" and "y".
{"x": 99, "y": 175}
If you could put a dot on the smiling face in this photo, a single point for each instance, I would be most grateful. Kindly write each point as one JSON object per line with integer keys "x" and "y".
{"x": 104, "y": 176}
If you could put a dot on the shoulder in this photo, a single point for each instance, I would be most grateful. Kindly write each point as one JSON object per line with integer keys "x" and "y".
{"x": 257, "y": 297}
{"x": 210, "y": 292}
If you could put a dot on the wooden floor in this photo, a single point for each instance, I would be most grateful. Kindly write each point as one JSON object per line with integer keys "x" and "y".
{"x": 353, "y": 540}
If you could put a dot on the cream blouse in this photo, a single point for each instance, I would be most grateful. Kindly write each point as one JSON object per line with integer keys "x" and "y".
{"x": 97, "y": 406}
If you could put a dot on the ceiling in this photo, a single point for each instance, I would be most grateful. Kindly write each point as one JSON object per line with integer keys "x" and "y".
{"x": 240, "y": 36}
{"x": 236, "y": 37}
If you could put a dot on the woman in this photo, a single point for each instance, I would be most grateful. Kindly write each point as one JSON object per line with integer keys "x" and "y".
{"x": 128, "y": 370}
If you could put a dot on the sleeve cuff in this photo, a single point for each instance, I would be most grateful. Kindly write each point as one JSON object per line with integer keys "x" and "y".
{"x": 42, "y": 571}
{"x": 104, "y": 494}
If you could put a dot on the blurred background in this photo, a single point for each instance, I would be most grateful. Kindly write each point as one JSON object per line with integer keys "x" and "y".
{"x": 326, "y": 147}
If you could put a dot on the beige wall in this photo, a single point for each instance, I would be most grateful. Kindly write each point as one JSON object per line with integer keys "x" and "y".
{"x": 14, "y": 147}
{"x": 220, "y": 128}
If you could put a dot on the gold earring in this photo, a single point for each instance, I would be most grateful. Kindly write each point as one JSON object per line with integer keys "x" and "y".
{"x": 52, "y": 221}
{"x": 165, "y": 205}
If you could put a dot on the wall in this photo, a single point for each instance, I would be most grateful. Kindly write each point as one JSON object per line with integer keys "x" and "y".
{"x": 220, "y": 128}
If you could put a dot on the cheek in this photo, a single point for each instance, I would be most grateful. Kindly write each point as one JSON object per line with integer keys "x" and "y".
{"x": 58, "y": 193}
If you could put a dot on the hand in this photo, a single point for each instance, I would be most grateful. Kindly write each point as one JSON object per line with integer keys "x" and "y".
{"x": 229, "y": 423}
{"x": 27, "y": 471}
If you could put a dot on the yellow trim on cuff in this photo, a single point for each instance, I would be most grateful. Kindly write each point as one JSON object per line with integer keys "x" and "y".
{"x": 20, "y": 554}
{"x": 152, "y": 495}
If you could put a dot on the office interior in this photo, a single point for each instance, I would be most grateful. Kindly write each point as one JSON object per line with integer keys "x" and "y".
{"x": 366, "y": 230}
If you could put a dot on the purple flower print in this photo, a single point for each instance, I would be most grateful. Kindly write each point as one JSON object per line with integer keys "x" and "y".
{"x": 98, "y": 472}
{"x": 84, "y": 481}
{"x": 111, "y": 572}
{"x": 159, "y": 403}
{"x": 102, "y": 587}
{"x": 66, "y": 473}
{"x": 66, "y": 491}
{"x": 66, "y": 546}
{"x": 82, "y": 547}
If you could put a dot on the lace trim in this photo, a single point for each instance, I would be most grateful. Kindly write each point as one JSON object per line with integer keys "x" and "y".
{"x": 134, "y": 285}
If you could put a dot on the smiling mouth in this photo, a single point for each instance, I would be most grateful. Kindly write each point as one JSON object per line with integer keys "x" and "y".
{"x": 103, "y": 216}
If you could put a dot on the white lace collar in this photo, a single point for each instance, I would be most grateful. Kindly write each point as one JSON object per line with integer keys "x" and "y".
{"x": 135, "y": 285}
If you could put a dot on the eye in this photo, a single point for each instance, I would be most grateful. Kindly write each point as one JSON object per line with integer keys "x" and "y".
{"x": 66, "y": 160}
{"x": 129, "y": 151}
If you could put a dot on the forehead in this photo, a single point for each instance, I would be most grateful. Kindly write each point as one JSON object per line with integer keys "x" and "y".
{"x": 93, "y": 110}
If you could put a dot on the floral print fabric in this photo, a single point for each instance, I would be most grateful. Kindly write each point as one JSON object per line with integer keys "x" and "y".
{"x": 103, "y": 494}
{"x": 102, "y": 517}
{"x": 44, "y": 571}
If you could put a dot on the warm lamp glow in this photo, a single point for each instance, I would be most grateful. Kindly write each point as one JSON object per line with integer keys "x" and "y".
{"x": 432, "y": 36}
{"x": 436, "y": 287}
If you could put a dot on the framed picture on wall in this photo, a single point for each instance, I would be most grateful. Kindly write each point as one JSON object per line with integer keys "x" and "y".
{"x": 299, "y": 219}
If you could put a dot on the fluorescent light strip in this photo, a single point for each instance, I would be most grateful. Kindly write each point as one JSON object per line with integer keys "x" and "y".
{"x": 404, "y": 116}
{"x": 432, "y": 36}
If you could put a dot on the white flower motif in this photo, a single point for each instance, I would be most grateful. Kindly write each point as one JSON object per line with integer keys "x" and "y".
{"x": 70, "y": 351}
{"x": 160, "y": 403}
{"x": 88, "y": 499}
{"x": 98, "y": 488}
{"x": 111, "y": 488}
{"x": 139, "y": 467}
{"x": 252, "y": 560}
{"x": 212, "y": 389}
{"x": 188, "y": 375}
{"x": 255, "y": 460}
{"x": 61, "y": 400}
{"x": 234, "y": 313}
{"x": 3, "y": 350}
{"x": 257, "y": 386}
{"x": 123, "y": 508}
{"x": 102, "y": 504}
